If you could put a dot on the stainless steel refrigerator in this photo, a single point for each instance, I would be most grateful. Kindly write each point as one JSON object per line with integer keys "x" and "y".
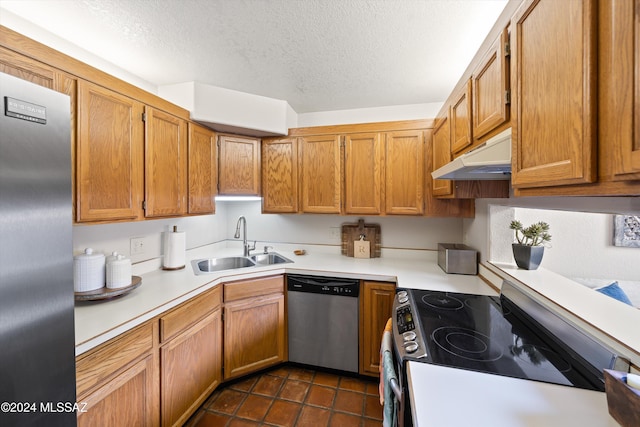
{"x": 37, "y": 356}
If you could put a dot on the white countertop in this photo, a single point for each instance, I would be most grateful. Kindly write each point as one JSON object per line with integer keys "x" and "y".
{"x": 450, "y": 397}
{"x": 440, "y": 393}
{"x": 97, "y": 322}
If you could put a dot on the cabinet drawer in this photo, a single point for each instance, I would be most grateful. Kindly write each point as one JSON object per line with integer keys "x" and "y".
{"x": 253, "y": 288}
{"x": 110, "y": 357}
{"x": 188, "y": 313}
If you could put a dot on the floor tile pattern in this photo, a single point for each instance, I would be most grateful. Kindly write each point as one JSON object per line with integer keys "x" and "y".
{"x": 292, "y": 396}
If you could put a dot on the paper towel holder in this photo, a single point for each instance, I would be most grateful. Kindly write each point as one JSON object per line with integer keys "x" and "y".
{"x": 166, "y": 249}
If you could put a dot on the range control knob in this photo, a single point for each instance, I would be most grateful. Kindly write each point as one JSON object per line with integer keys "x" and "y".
{"x": 410, "y": 347}
{"x": 403, "y": 297}
{"x": 409, "y": 336}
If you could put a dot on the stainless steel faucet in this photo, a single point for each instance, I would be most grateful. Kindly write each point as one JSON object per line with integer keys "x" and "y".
{"x": 245, "y": 245}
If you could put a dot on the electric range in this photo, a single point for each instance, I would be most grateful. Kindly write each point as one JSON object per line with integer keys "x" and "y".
{"x": 512, "y": 335}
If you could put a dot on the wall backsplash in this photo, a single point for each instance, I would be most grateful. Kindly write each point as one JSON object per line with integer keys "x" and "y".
{"x": 581, "y": 244}
{"x": 397, "y": 231}
{"x": 200, "y": 230}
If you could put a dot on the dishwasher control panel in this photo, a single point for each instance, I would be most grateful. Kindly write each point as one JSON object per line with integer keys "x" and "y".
{"x": 323, "y": 285}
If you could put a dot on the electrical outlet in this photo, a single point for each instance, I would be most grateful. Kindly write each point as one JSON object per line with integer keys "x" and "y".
{"x": 137, "y": 245}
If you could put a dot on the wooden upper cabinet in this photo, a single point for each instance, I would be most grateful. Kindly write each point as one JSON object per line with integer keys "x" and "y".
{"x": 280, "y": 175}
{"x": 165, "y": 164}
{"x": 26, "y": 68}
{"x": 404, "y": 172}
{"x": 461, "y": 119}
{"x": 491, "y": 85}
{"x": 363, "y": 174}
{"x": 203, "y": 169}
{"x": 109, "y": 156}
{"x": 321, "y": 174}
{"x": 619, "y": 68}
{"x": 239, "y": 165}
{"x": 442, "y": 155}
{"x": 553, "y": 52}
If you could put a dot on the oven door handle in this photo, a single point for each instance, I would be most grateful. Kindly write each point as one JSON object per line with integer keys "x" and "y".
{"x": 395, "y": 387}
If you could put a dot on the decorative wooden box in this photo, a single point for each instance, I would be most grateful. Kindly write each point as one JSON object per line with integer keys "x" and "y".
{"x": 623, "y": 400}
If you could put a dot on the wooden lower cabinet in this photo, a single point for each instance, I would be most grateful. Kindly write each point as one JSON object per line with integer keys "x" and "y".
{"x": 254, "y": 325}
{"x": 118, "y": 381}
{"x": 376, "y": 302}
{"x": 191, "y": 368}
{"x": 129, "y": 399}
{"x": 190, "y": 356}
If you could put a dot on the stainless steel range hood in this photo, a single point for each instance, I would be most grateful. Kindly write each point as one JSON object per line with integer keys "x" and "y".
{"x": 491, "y": 160}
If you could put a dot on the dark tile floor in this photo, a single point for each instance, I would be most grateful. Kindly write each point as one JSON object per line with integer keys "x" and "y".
{"x": 290, "y": 396}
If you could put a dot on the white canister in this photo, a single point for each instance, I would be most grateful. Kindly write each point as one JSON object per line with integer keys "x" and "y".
{"x": 119, "y": 272}
{"x": 88, "y": 271}
{"x": 112, "y": 257}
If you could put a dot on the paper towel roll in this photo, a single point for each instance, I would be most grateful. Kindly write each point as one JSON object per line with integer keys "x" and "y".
{"x": 174, "y": 249}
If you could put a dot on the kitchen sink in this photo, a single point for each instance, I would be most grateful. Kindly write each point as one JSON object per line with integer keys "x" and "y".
{"x": 211, "y": 265}
{"x": 270, "y": 258}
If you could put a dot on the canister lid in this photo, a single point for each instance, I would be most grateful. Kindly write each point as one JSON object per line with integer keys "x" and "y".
{"x": 88, "y": 254}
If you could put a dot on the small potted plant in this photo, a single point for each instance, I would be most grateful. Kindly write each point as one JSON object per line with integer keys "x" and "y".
{"x": 529, "y": 248}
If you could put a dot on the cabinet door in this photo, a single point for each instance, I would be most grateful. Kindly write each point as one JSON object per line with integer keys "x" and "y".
{"x": 442, "y": 156}
{"x": 126, "y": 400}
{"x": 239, "y": 166}
{"x": 280, "y": 175}
{"x": 461, "y": 120}
{"x": 491, "y": 89}
{"x": 363, "y": 174}
{"x": 321, "y": 174}
{"x": 555, "y": 98}
{"x": 254, "y": 334}
{"x": 109, "y": 156}
{"x": 404, "y": 172}
{"x": 165, "y": 164}
{"x": 191, "y": 367}
{"x": 203, "y": 170}
{"x": 619, "y": 68}
{"x": 376, "y": 301}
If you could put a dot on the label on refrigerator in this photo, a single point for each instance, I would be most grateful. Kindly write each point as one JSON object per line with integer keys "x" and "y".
{"x": 25, "y": 110}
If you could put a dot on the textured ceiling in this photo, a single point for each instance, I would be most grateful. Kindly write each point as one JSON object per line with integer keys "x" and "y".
{"x": 318, "y": 55}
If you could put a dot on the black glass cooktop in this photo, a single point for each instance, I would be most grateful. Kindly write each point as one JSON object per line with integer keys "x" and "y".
{"x": 477, "y": 332}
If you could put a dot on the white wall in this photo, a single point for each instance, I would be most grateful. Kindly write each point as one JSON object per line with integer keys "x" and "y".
{"x": 397, "y": 231}
{"x": 370, "y": 115}
{"x": 581, "y": 244}
{"x": 200, "y": 230}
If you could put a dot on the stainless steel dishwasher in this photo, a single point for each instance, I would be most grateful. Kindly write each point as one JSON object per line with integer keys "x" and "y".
{"x": 323, "y": 321}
